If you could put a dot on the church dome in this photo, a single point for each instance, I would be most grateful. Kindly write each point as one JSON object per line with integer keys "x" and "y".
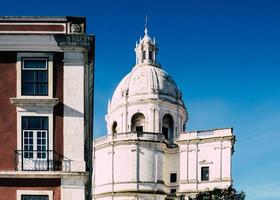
{"x": 146, "y": 80}
{"x": 147, "y": 98}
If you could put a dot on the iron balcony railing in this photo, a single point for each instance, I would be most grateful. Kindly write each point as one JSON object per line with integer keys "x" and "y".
{"x": 47, "y": 160}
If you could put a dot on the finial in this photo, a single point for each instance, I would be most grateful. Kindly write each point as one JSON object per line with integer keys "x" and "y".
{"x": 146, "y": 26}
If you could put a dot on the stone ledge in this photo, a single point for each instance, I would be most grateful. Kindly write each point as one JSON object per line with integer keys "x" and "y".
{"x": 40, "y": 174}
{"x": 32, "y": 102}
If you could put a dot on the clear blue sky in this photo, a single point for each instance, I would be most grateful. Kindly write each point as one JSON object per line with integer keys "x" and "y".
{"x": 224, "y": 55}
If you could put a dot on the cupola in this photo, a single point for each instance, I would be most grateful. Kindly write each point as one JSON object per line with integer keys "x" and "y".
{"x": 146, "y": 50}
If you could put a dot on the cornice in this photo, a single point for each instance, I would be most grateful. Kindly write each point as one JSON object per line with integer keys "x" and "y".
{"x": 32, "y": 102}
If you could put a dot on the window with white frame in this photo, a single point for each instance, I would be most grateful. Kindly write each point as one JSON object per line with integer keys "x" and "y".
{"x": 34, "y": 76}
{"x": 35, "y": 137}
{"x": 34, "y": 195}
{"x": 35, "y": 145}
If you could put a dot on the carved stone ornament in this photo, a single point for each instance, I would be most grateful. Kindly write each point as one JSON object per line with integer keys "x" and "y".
{"x": 76, "y": 28}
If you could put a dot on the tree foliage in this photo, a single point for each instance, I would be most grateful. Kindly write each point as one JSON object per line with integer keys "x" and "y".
{"x": 220, "y": 194}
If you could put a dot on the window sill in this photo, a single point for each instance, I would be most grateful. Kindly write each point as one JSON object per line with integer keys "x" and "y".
{"x": 31, "y": 102}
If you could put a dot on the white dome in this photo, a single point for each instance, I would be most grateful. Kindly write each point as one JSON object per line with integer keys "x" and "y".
{"x": 146, "y": 80}
{"x": 147, "y": 98}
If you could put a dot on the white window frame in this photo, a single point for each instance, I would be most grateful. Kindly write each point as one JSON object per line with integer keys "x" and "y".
{"x": 48, "y": 193}
{"x": 35, "y": 144}
{"x": 48, "y": 113}
{"x": 49, "y": 58}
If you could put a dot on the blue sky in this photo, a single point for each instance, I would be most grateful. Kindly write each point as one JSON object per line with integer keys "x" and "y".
{"x": 224, "y": 56}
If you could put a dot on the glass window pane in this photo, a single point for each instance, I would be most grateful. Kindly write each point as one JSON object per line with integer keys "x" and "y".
{"x": 28, "y": 76}
{"x": 42, "y": 76}
{"x": 42, "y": 89}
{"x": 35, "y": 123}
{"x": 34, "y": 197}
{"x": 28, "y": 88}
{"x": 24, "y": 123}
{"x": 25, "y": 134}
{"x": 35, "y": 64}
{"x": 205, "y": 173}
{"x": 44, "y": 125}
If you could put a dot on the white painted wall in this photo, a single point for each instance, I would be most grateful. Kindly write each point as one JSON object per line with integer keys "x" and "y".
{"x": 139, "y": 165}
{"x": 73, "y": 97}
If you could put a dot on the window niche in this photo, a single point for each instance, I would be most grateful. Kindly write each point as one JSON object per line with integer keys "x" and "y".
{"x": 168, "y": 127}
{"x": 114, "y": 127}
{"x": 138, "y": 122}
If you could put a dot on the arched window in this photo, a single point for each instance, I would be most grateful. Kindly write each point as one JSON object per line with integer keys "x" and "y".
{"x": 167, "y": 126}
{"x": 137, "y": 122}
{"x": 114, "y": 127}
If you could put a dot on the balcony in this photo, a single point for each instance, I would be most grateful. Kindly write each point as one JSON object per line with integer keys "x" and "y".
{"x": 30, "y": 160}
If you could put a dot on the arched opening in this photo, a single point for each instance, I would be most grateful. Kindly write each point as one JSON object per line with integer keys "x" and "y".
{"x": 114, "y": 127}
{"x": 184, "y": 127}
{"x": 167, "y": 126}
{"x": 137, "y": 122}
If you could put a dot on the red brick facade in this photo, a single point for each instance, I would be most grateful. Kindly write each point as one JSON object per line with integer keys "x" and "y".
{"x": 8, "y": 116}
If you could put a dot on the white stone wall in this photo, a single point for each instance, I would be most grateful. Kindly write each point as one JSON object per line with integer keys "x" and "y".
{"x": 122, "y": 164}
{"x": 73, "y": 187}
{"x": 132, "y": 166}
{"x": 210, "y": 151}
{"x": 73, "y": 97}
{"x": 171, "y": 165}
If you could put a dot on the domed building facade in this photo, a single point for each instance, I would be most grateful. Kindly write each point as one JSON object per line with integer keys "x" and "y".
{"x": 146, "y": 154}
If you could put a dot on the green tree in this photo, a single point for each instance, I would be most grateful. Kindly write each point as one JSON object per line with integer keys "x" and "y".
{"x": 220, "y": 194}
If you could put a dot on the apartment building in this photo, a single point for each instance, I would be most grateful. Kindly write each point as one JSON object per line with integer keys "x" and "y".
{"x": 46, "y": 105}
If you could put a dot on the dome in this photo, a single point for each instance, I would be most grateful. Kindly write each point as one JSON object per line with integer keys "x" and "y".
{"x": 146, "y": 80}
{"x": 147, "y": 99}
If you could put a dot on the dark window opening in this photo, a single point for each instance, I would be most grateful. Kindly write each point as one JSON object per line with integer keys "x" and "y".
{"x": 137, "y": 122}
{"x": 165, "y": 132}
{"x": 34, "y": 197}
{"x": 144, "y": 55}
{"x": 34, "y": 77}
{"x": 173, "y": 191}
{"x": 150, "y": 55}
{"x": 204, "y": 173}
{"x": 139, "y": 128}
{"x": 167, "y": 127}
{"x": 114, "y": 128}
{"x": 173, "y": 177}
